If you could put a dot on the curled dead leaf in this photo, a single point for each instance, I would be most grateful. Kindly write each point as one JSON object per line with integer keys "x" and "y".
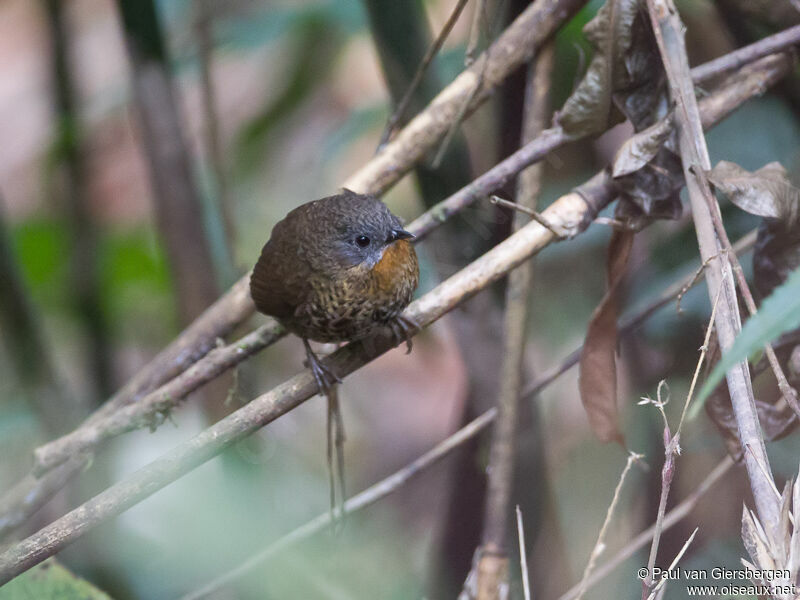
{"x": 641, "y": 148}
{"x": 624, "y": 71}
{"x": 765, "y": 193}
{"x": 598, "y": 365}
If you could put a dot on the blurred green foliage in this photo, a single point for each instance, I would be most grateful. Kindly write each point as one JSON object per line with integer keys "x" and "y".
{"x": 135, "y": 280}
{"x": 50, "y": 581}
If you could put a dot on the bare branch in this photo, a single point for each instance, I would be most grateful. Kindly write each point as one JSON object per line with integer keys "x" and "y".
{"x": 568, "y": 212}
{"x": 668, "y": 30}
{"x": 236, "y": 305}
{"x": 600, "y": 544}
{"x": 742, "y": 56}
{"x": 502, "y": 449}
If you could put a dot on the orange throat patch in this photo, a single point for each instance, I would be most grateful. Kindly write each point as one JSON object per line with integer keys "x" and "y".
{"x": 398, "y": 263}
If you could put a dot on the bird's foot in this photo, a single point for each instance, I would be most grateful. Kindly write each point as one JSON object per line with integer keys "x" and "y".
{"x": 324, "y": 377}
{"x": 402, "y": 330}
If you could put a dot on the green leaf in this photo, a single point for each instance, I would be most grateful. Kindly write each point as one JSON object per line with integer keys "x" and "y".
{"x": 50, "y": 581}
{"x": 779, "y": 313}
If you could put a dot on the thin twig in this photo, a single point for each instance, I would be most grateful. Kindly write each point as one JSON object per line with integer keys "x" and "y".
{"x": 673, "y": 517}
{"x": 460, "y": 116}
{"x": 742, "y": 56}
{"x": 674, "y": 563}
{"x": 480, "y": 24}
{"x": 600, "y": 544}
{"x": 703, "y": 353}
{"x": 669, "y": 35}
{"x": 477, "y": 29}
{"x": 523, "y": 556}
{"x": 671, "y": 450}
{"x": 204, "y": 35}
{"x": 535, "y": 215}
{"x": 399, "y": 112}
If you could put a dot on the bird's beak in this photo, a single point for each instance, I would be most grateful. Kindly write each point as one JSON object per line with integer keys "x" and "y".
{"x": 402, "y": 234}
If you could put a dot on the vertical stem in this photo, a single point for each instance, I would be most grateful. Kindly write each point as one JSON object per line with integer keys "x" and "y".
{"x": 177, "y": 200}
{"x": 26, "y": 348}
{"x": 84, "y": 274}
{"x": 694, "y": 152}
{"x": 501, "y": 457}
{"x": 220, "y": 219}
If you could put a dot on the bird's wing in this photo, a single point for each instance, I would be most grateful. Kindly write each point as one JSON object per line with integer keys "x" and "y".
{"x": 279, "y": 283}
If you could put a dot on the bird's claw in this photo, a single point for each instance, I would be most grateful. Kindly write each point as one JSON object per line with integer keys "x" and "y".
{"x": 402, "y": 329}
{"x": 323, "y": 375}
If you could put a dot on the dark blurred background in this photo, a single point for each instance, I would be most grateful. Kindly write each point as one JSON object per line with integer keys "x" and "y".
{"x": 113, "y": 240}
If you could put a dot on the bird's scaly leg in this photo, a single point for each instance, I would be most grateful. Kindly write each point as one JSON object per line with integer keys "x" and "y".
{"x": 402, "y": 329}
{"x": 324, "y": 377}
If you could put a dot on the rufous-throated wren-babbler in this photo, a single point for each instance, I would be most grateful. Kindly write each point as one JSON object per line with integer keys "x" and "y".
{"x": 337, "y": 269}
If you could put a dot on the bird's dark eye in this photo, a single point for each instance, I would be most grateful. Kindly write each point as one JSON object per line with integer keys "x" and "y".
{"x": 362, "y": 241}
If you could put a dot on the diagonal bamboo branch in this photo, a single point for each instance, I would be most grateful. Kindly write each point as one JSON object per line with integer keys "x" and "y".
{"x": 196, "y": 341}
{"x": 747, "y": 54}
{"x": 391, "y": 483}
{"x": 669, "y": 36}
{"x": 568, "y": 212}
{"x": 236, "y": 305}
{"x": 106, "y": 424}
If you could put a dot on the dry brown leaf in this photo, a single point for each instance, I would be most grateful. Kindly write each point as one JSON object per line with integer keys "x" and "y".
{"x": 620, "y": 70}
{"x": 765, "y": 193}
{"x": 641, "y": 148}
{"x": 755, "y": 541}
{"x": 598, "y": 364}
{"x": 652, "y": 192}
{"x": 775, "y": 256}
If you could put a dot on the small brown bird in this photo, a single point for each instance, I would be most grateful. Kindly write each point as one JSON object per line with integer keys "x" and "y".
{"x": 337, "y": 269}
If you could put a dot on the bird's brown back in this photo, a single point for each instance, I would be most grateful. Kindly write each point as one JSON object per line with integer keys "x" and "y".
{"x": 280, "y": 280}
